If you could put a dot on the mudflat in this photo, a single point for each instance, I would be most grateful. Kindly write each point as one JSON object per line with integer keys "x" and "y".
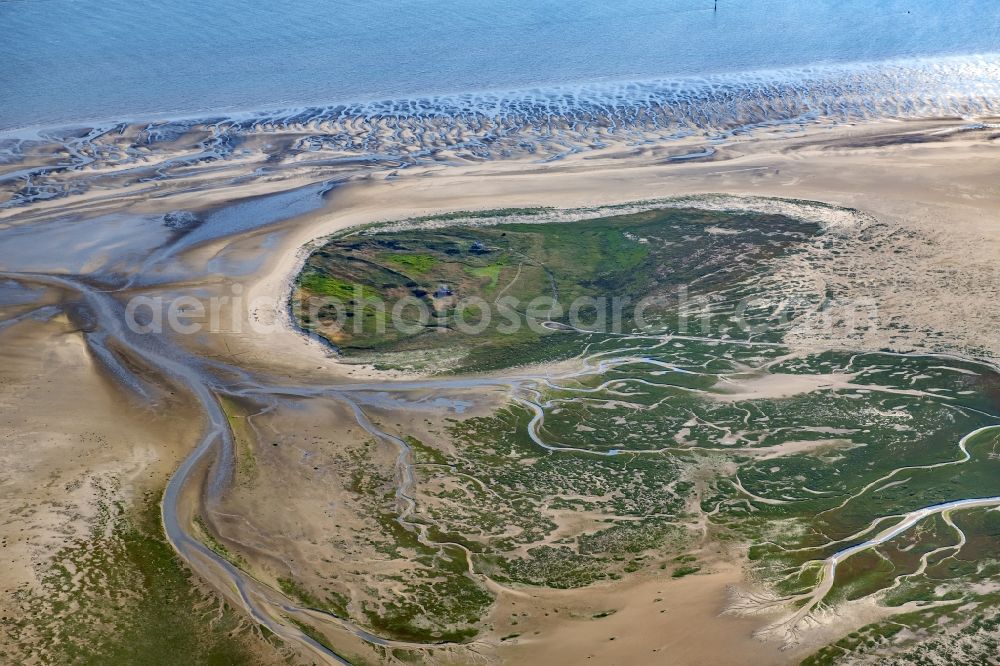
{"x": 639, "y": 494}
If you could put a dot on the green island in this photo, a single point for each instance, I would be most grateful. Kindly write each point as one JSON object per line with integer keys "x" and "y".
{"x": 596, "y": 270}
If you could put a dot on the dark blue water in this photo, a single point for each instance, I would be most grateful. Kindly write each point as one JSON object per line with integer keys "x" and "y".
{"x": 66, "y": 61}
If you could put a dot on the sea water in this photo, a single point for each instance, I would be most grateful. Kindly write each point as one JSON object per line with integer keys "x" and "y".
{"x": 77, "y": 61}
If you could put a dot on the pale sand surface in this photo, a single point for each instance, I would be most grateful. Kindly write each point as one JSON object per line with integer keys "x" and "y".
{"x": 936, "y": 270}
{"x": 73, "y": 444}
{"x": 652, "y": 620}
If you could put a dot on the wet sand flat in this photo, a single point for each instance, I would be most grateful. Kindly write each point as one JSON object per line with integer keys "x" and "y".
{"x": 77, "y": 436}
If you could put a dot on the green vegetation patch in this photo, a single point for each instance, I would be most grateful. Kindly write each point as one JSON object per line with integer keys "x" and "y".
{"x": 121, "y": 596}
{"x": 592, "y": 273}
{"x": 491, "y": 273}
{"x": 687, "y": 570}
{"x": 418, "y": 263}
{"x": 325, "y": 285}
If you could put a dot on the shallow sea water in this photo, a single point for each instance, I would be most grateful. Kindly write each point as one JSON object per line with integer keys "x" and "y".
{"x": 75, "y": 61}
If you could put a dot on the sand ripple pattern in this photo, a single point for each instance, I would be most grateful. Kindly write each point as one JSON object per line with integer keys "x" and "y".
{"x": 545, "y": 123}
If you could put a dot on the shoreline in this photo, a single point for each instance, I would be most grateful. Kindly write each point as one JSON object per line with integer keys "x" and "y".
{"x": 649, "y": 90}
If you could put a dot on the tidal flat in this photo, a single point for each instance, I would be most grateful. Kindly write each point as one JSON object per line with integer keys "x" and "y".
{"x": 757, "y": 487}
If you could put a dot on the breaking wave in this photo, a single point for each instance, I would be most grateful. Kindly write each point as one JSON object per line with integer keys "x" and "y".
{"x": 547, "y": 122}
